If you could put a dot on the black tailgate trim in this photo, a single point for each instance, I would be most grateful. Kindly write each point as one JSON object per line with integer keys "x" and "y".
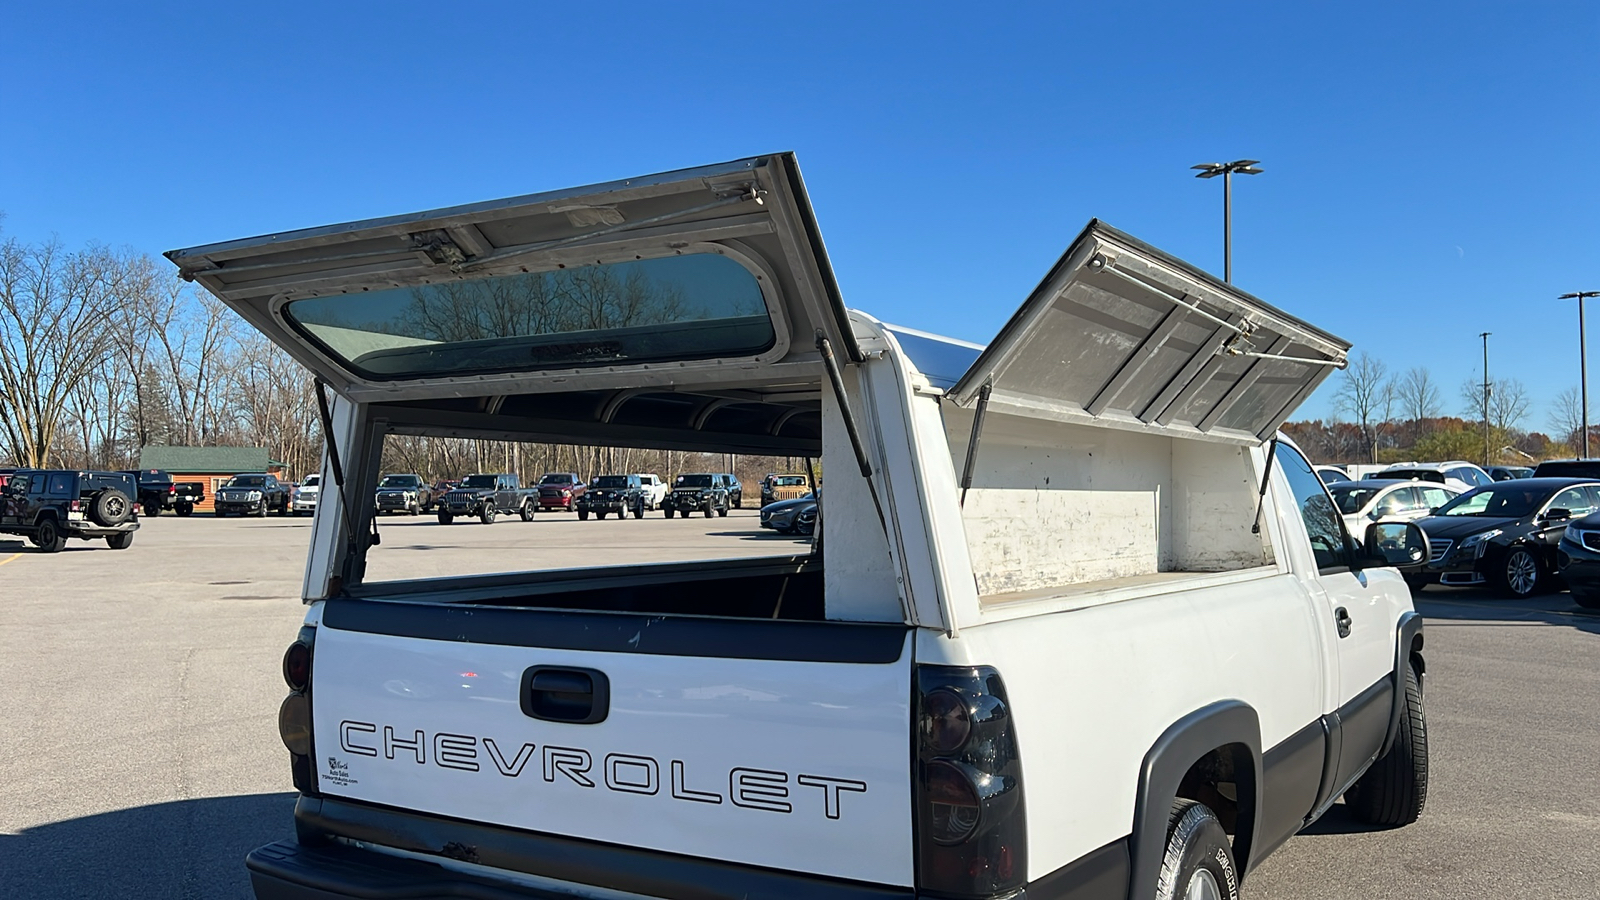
{"x": 790, "y": 641}
{"x": 648, "y": 872}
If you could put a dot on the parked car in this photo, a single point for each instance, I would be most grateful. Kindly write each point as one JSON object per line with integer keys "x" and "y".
{"x": 619, "y": 494}
{"x": 404, "y": 493}
{"x": 654, "y": 489}
{"x": 485, "y": 496}
{"x": 186, "y": 495}
{"x": 783, "y": 516}
{"x": 252, "y": 495}
{"x": 155, "y": 490}
{"x": 305, "y": 499}
{"x": 1361, "y": 502}
{"x": 48, "y": 506}
{"x": 1084, "y": 686}
{"x": 560, "y": 490}
{"x": 1568, "y": 468}
{"x": 1458, "y": 474}
{"x": 1578, "y": 560}
{"x": 735, "y": 489}
{"x": 445, "y": 485}
{"x": 1507, "y": 473}
{"x": 1332, "y": 474}
{"x": 776, "y": 487}
{"x": 703, "y": 492}
{"x": 1505, "y": 535}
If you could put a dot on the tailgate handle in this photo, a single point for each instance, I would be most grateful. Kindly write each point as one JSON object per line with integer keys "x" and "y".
{"x": 565, "y": 694}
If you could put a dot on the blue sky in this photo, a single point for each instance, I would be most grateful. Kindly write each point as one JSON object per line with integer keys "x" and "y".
{"x": 1430, "y": 167}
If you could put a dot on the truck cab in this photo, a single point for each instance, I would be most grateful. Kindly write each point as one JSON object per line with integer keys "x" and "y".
{"x": 1075, "y": 620}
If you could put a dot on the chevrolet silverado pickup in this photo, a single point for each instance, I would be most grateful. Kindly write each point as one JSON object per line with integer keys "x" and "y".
{"x": 1076, "y": 621}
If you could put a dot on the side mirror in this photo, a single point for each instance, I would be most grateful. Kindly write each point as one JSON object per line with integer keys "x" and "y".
{"x": 1403, "y": 545}
{"x": 1557, "y": 514}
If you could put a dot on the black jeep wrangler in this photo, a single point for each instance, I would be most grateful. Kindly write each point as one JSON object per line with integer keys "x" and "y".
{"x": 620, "y": 494}
{"x": 47, "y": 506}
{"x": 705, "y": 493}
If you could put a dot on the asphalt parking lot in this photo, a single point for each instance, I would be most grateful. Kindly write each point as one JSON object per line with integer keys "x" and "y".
{"x": 139, "y": 755}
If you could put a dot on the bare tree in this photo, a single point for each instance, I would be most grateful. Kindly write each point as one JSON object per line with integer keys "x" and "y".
{"x": 1566, "y": 417}
{"x": 55, "y": 313}
{"x": 1365, "y": 393}
{"x": 1418, "y": 395}
{"x": 1508, "y": 402}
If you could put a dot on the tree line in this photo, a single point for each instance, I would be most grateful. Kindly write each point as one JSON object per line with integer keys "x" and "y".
{"x": 1384, "y": 416}
{"x": 104, "y": 352}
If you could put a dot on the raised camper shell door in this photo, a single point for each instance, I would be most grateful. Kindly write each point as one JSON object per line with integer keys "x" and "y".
{"x": 1122, "y": 335}
{"x": 753, "y": 211}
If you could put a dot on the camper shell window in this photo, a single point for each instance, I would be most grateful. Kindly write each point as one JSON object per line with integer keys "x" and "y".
{"x": 689, "y": 307}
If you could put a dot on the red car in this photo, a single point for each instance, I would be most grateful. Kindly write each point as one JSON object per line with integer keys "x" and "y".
{"x": 560, "y": 490}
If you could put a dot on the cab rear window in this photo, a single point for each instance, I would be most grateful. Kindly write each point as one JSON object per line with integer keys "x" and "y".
{"x": 695, "y": 306}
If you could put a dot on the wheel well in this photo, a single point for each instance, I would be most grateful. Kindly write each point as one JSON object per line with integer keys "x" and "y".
{"x": 1215, "y": 780}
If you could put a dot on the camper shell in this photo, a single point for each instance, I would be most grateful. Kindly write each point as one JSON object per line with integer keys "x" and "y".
{"x": 1087, "y": 526}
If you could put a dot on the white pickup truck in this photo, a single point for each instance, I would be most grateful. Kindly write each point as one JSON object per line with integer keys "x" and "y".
{"x": 1077, "y": 622}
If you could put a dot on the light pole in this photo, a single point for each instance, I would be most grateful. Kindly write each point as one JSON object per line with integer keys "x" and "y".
{"x": 1485, "y": 336}
{"x": 1583, "y": 365}
{"x": 1226, "y": 170}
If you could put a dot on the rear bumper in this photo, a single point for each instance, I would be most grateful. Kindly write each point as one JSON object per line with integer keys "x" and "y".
{"x": 502, "y": 864}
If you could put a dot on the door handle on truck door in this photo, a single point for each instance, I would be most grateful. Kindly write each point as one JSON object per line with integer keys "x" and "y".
{"x": 1341, "y": 617}
{"x": 565, "y": 694}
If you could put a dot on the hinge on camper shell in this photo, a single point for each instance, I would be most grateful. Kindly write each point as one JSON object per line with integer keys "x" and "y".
{"x": 440, "y": 248}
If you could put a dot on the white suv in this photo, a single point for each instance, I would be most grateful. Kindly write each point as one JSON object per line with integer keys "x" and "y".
{"x": 1457, "y": 473}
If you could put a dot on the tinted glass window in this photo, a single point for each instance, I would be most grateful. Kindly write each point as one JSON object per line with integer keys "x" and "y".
{"x": 1322, "y": 521}
{"x": 1506, "y": 500}
{"x": 1433, "y": 497}
{"x": 1351, "y": 500}
{"x": 60, "y": 484}
{"x": 1574, "y": 500}
{"x": 562, "y": 478}
{"x": 699, "y": 481}
{"x": 1394, "y": 502}
{"x": 478, "y": 481}
{"x": 698, "y": 306}
{"x": 397, "y": 481}
{"x": 611, "y": 481}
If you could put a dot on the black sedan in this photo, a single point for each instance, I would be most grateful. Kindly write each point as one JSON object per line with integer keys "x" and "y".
{"x": 1505, "y": 534}
{"x": 1578, "y": 557}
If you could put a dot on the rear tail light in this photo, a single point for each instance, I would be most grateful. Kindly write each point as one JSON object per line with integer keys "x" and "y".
{"x": 75, "y": 506}
{"x": 294, "y": 716}
{"x": 971, "y": 836}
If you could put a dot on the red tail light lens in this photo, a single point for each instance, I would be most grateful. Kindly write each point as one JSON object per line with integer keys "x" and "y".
{"x": 297, "y": 666}
{"x": 971, "y": 834}
{"x": 946, "y": 721}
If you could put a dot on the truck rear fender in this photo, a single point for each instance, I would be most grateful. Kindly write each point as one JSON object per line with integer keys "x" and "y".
{"x": 1221, "y": 738}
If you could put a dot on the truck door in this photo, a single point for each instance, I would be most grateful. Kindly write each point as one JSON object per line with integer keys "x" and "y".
{"x": 1358, "y": 608}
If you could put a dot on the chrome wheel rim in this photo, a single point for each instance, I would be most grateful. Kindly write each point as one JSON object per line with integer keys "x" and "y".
{"x": 1202, "y": 886}
{"x": 1521, "y": 572}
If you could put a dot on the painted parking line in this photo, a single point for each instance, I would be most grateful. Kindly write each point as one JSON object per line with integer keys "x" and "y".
{"x": 10, "y": 558}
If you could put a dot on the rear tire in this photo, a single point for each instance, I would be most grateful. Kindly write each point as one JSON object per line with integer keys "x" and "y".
{"x": 526, "y": 511}
{"x": 120, "y": 541}
{"x": 184, "y": 509}
{"x": 1519, "y": 573}
{"x": 722, "y": 512}
{"x": 152, "y": 509}
{"x": 708, "y": 510}
{"x": 638, "y": 511}
{"x": 1394, "y": 791}
{"x": 486, "y": 515}
{"x": 1198, "y": 863}
{"x": 445, "y": 518}
{"x": 49, "y": 537}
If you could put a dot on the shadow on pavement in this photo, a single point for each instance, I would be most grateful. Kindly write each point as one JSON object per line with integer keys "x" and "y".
{"x": 1465, "y": 607}
{"x": 183, "y": 850}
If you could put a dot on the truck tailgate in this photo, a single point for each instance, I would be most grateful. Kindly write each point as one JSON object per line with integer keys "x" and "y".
{"x": 797, "y": 759}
